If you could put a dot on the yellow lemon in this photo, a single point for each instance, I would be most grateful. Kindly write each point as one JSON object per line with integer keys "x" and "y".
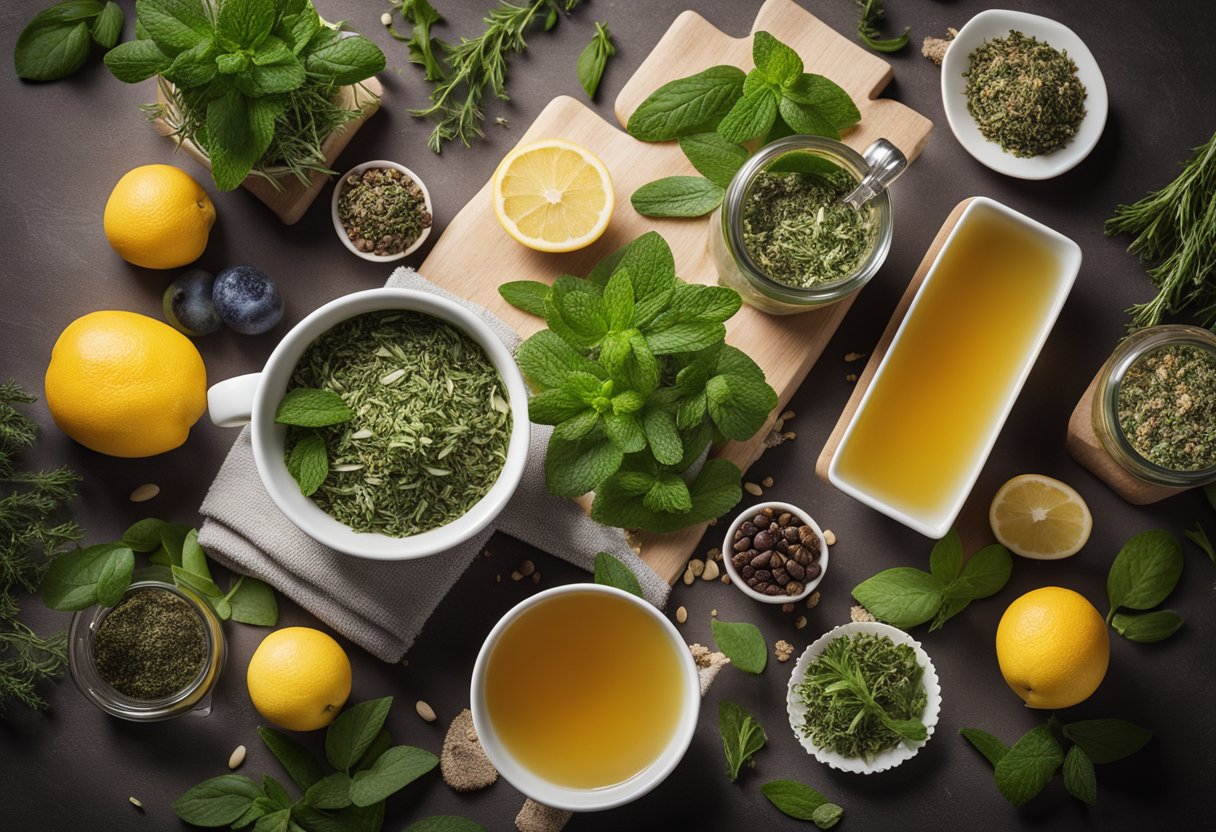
{"x": 1052, "y": 647}
{"x": 553, "y": 195}
{"x": 158, "y": 217}
{"x": 125, "y": 384}
{"x": 299, "y": 678}
{"x": 1040, "y": 517}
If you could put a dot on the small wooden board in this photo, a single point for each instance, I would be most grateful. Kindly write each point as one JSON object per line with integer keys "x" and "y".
{"x": 474, "y": 255}
{"x": 291, "y": 201}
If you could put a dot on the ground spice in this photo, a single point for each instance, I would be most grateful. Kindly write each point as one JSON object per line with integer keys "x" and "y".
{"x": 1166, "y": 407}
{"x": 797, "y": 232}
{"x": 382, "y": 210}
{"x": 1024, "y": 94}
{"x": 151, "y": 646}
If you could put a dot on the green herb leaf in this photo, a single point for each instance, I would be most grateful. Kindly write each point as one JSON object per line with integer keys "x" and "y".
{"x": 330, "y": 792}
{"x": 444, "y": 823}
{"x": 668, "y": 493}
{"x": 903, "y": 597}
{"x": 779, "y": 64}
{"x": 793, "y": 798}
{"x": 739, "y": 406}
{"x": 713, "y": 156}
{"x": 218, "y": 801}
{"x": 352, "y": 732}
{"x": 347, "y": 60}
{"x": 807, "y": 119}
{"x": 870, "y": 14}
{"x": 528, "y": 295}
{"x": 143, "y": 536}
{"x": 751, "y": 116}
{"x": 136, "y": 60}
{"x": 253, "y": 602}
{"x": 245, "y": 23}
{"x": 350, "y": 819}
{"x": 1029, "y": 765}
{"x": 312, "y": 408}
{"x": 173, "y": 539}
{"x": 50, "y": 50}
{"x": 1149, "y": 627}
{"x": 827, "y": 98}
{"x": 611, "y": 572}
{"x": 115, "y": 576}
{"x": 1145, "y": 571}
{"x": 594, "y": 59}
{"x": 1200, "y": 538}
{"x": 677, "y": 196}
{"x": 992, "y": 748}
{"x": 1107, "y": 740}
{"x": 688, "y": 105}
{"x": 275, "y": 791}
{"x": 107, "y": 26}
{"x": 946, "y": 559}
{"x": 742, "y": 737}
{"x": 988, "y": 570}
{"x": 714, "y": 490}
{"x": 663, "y": 436}
{"x": 742, "y": 643}
{"x": 308, "y": 462}
{"x": 300, "y": 765}
{"x": 277, "y": 821}
{"x": 547, "y": 359}
{"x": 1079, "y": 776}
{"x": 394, "y": 770}
{"x": 827, "y": 815}
{"x": 574, "y": 468}
{"x": 174, "y": 24}
{"x": 71, "y": 581}
{"x": 198, "y": 583}
{"x": 619, "y": 300}
{"x": 194, "y": 558}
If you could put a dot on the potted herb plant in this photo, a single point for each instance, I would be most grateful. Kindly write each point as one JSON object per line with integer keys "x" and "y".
{"x": 262, "y": 91}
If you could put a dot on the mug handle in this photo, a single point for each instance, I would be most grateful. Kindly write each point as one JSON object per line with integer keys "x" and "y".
{"x": 230, "y": 402}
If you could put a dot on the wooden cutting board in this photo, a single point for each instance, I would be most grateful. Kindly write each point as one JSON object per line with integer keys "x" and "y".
{"x": 474, "y": 255}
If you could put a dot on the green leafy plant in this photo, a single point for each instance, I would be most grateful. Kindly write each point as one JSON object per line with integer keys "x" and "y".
{"x": 1199, "y": 537}
{"x": 57, "y": 41}
{"x": 310, "y": 408}
{"x": 594, "y": 58}
{"x": 422, "y": 47}
{"x": 634, "y": 374}
{"x": 101, "y": 574}
{"x": 742, "y": 643}
{"x": 906, "y": 597}
{"x": 742, "y": 737}
{"x": 870, "y": 14}
{"x": 715, "y": 111}
{"x": 609, "y": 571}
{"x": 1143, "y": 574}
{"x": 251, "y": 82}
{"x": 347, "y": 792}
{"x": 801, "y": 802}
{"x": 1023, "y": 770}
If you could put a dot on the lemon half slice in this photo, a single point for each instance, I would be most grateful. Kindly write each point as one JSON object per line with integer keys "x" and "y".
{"x": 1040, "y": 517}
{"x": 553, "y": 195}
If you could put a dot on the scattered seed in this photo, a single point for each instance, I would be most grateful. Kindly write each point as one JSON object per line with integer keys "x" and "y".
{"x": 854, "y": 356}
{"x": 145, "y": 492}
{"x": 386, "y": 19}
{"x": 753, "y": 489}
{"x": 516, "y": 575}
{"x": 485, "y": 553}
{"x": 696, "y": 567}
{"x": 779, "y": 425}
{"x": 535, "y": 577}
{"x": 527, "y": 568}
{"x": 800, "y": 622}
{"x": 783, "y": 649}
{"x": 787, "y": 607}
{"x": 813, "y": 600}
{"x": 860, "y": 613}
{"x": 236, "y": 758}
{"x": 829, "y": 537}
{"x": 851, "y": 378}
{"x": 767, "y": 482}
{"x": 713, "y": 613}
{"x": 711, "y": 571}
{"x": 787, "y": 415}
{"x": 725, "y": 578}
{"x": 789, "y": 434}
{"x": 136, "y": 802}
{"x": 424, "y": 710}
{"x": 498, "y": 578}
{"x": 714, "y": 554}
{"x": 681, "y": 615}
{"x": 689, "y": 577}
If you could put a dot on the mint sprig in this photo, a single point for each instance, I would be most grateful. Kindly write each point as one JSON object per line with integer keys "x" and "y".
{"x": 742, "y": 737}
{"x": 1143, "y": 574}
{"x": 56, "y": 42}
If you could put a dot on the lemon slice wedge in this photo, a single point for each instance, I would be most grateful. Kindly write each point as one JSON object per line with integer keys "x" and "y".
{"x": 1040, "y": 517}
{"x": 553, "y": 195}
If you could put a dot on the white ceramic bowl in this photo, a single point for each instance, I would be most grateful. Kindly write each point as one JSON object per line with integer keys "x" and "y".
{"x": 564, "y": 797}
{"x": 340, "y": 186}
{"x": 253, "y": 399}
{"x": 737, "y": 580}
{"x": 997, "y": 23}
{"x": 892, "y": 756}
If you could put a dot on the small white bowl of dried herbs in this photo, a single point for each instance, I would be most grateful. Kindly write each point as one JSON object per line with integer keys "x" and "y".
{"x": 381, "y": 211}
{"x": 864, "y": 697}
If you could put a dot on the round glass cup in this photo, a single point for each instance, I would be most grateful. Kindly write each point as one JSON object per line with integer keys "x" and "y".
{"x": 739, "y": 271}
{"x": 194, "y": 698}
{"x": 1106, "y": 400}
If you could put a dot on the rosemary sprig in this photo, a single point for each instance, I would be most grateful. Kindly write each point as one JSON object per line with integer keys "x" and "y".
{"x": 1176, "y": 228}
{"x": 870, "y": 14}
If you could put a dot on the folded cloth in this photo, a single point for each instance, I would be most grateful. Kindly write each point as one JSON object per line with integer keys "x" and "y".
{"x": 383, "y": 605}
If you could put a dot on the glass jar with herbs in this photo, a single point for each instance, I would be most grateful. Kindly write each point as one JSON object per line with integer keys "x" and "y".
{"x": 784, "y": 240}
{"x": 155, "y": 655}
{"x": 1154, "y": 407}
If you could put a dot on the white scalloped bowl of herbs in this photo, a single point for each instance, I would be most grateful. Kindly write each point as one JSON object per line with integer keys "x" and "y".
{"x": 891, "y": 757}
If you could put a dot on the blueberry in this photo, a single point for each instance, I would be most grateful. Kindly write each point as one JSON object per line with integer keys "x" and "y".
{"x": 247, "y": 300}
{"x": 187, "y": 304}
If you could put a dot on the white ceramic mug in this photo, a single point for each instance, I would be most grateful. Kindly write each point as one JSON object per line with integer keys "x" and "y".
{"x": 253, "y": 399}
{"x": 566, "y": 797}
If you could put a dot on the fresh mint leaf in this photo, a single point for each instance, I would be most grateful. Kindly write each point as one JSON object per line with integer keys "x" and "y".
{"x": 174, "y": 24}
{"x": 253, "y": 602}
{"x": 50, "y": 50}
{"x": 243, "y": 24}
{"x": 1079, "y": 776}
{"x": 273, "y": 50}
{"x": 950, "y": 608}
{"x": 383, "y": 742}
{"x": 444, "y": 823}
{"x": 946, "y": 559}
{"x": 397, "y": 768}
{"x": 71, "y": 582}
{"x": 193, "y": 67}
{"x": 1199, "y": 537}
{"x": 261, "y": 80}
{"x": 805, "y": 118}
{"x": 611, "y": 572}
{"x": 793, "y": 798}
{"x": 557, "y": 405}
{"x": 106, "y": 28}
{"x": 624, "y": 430}
{"x": 231, "y": 63}
{"x": 778, "y": 63}
{"x": 677, "y": 196}
{"x": 992, "y": 748}
{"x": 987, "y": 571}
{"x": 173, "y": 539}
{"x": 350, "y": 819}
{"x": 277, "y": 821}
{"x": 299, "y": 763}
{"x": 330, "y": 792}
{"x": 827, "y": 97}
{"x": 1029, "y": 766}
{"x": 193, "y": 557}
{"x": 663, "y": 436}
{"x": 308, "y": 462}
{"x": 751, "y": 116}
{"x": 136, "y": 60}
{"x": 143, "y": 536}
{"x": 69, "y": 11}
{"x": 687, "y": 336}
{"x": 742, "y": 643}
{"x": 618, "y": 300}
{"x": 547, "y": 359}
{"x": 594, "y": 58}
{"x": 115, "y": 576}
{"x": 697, "y": 302}
{"x": 739, "y": 406}
{"x": 742, "y": 737}
{"x": 275, "y": 792}
{"x": 1149, "y": 627}
{"x": 1145, "y": 571}
{"x": 195, "y": 582}
{"x": 713, "y": 156}
{"x": 528, "y": 295}
{"x": 312, "y": 408}
{"x": 688, "y": 105}
{"x": 714, "y": 490}
{"x": 1107, "y": 740}
{"x": 352, "y": 732}
{"x": 346, "y": 60}
{"x": 668, "y": 493}
{"x": 574, "y": 468}
{"x": 903, "y": 597}
{"x": 218, "y": 801}
{"x": 651, "y": 266}
{"x": 584, "y": 313}
{"x": 827, "y": 815}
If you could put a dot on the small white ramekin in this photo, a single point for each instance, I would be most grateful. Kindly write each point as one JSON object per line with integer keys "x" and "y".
{"x": 737, "y": 580}
{"x": 340, "y": 185}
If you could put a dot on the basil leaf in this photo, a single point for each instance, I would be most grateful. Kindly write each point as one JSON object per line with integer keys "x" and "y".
{"x": 218, "y": 801}
{"x": 353, "y": 731}
{"x": 752, "y": 116}
{"x": 946, "y": 559}
{"x": 528, "y": 295}
{"x": 253, "y": 602}
{"x": 346, "y": 60}
{"x": 1145, "y": 571}
{"x": 308, "y": 463}
{"x": 1028, "y": 767}
{"x": 1079, "y": 776}
{"x": 1107, "y": 740}
{"x": 778, "y": 63}
{"x": 576, "y": 467}
{"x": 107, "y": 26}
{"x": 742, "y": 737}
{"x": 136, "y": 60}
{"x": 396, "y": 769}
{"x": 827, "y": 815}
{"x": 194, "y": 559}
{"x": 594, "y": 59}
{"x": 742, "y": 643}
{"x": 1149, "y": 627}
{"x": 300, "y": 765}
{"x": 71, "y": 581}
{"x": 48, "y": 51}
{"x": 992, "y": 748}
{"x": 988, "y": 570}
{"x": 383, "y": 742}
{"x": 198, "y": 583}
{"x": 611, "y": 572}
{"x": 688, "y": 105}
{"x": 713, "y": 156}
{"x": 677, "y": 196}
{"x": 903, "y": 597}
{"x": 444, "y": 823}
{"x": 143, "y": 536}
{"x": 793, "y": 798}
{"x": 115, "y": 576}
{"x": 332, "y": 792}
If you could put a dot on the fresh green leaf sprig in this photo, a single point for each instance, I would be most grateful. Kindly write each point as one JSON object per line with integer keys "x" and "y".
{"x": 1023, "y": 770}
{"x": 742, "y": 643}
{"x": 869, "y": 14}
{"x": 101, "y": 574}
{"x": 742, "y": 737}
{"x": 1143, "y": 574}
{"x": 421, "y": 16}
{"x": 634, "y": 374}
{"x": 714, "y": 112}
{"x": 1199, "y": 537}
{"x": 303, "y": 410}
{"x": 253, "y": 81}
{"x": 56, "y": 43}
{"x": 362, "y": 769}
{"x": 801, "y": 802}
{"x": 594, "y": 58}
{"x": 905, "y": 597}
{"x": 609, "y": 571}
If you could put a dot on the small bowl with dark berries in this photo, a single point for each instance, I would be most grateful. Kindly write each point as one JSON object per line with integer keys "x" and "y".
{"x": 775, "y": 553}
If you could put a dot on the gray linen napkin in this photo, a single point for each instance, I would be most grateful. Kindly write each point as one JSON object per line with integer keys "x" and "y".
{"x": 382, "y": 606}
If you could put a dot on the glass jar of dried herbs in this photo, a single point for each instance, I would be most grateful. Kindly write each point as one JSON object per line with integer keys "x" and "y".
{"x": 1154, "y": 405}
{"x": 783, "y": 240}
{"x": 154, "y": 655}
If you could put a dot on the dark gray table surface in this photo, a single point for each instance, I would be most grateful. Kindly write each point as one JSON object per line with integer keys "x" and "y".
{"x": 66, "y": 143}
